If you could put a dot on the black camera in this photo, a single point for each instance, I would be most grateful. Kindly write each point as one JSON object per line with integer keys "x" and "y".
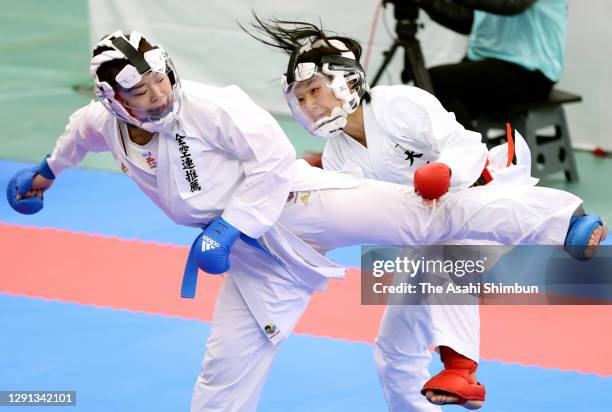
{"x": 404, "y": 9}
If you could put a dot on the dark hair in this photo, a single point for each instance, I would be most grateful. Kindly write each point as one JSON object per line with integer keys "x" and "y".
{"x": 289, "y": 36}
{"x": 109, "y": 70}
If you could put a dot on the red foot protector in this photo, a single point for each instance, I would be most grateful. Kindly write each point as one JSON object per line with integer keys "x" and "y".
{"x": 455, "y": 378}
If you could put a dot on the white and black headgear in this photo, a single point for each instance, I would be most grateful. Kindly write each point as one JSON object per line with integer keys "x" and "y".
{"x": 118, "y": 47}
{"x": 332, "y": 58}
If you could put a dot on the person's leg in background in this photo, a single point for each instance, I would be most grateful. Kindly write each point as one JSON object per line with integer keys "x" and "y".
{"x": 470, "y": 87}
{"x": 411, "y": 325}
{"x": 456, "y": 336}
{"x": 402, "y": 357}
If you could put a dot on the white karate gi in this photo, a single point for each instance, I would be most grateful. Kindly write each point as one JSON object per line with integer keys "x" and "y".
{"x": 407, "y": 127}
{"x": 228, "y": 157}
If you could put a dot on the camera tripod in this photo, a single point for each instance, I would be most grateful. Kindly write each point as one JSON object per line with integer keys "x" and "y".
{"x": 406, "y": 28}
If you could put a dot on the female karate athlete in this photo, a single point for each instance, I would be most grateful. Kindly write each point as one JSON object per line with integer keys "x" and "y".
{"x": 403, "y": 135}
{"x": 212, "y": 159}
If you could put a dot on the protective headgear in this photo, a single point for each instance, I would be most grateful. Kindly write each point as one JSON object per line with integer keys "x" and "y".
{"x": 139, "y": 64}
{"x": 338, "y": 71}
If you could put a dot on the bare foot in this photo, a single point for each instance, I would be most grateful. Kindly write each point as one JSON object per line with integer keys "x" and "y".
{"x": 29, "y": 193}
{"x": 599, "y": 234}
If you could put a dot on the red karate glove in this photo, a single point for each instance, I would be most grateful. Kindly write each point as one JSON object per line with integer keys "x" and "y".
{"x": 431, "y": 181}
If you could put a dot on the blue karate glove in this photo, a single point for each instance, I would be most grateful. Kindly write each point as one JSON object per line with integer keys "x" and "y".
{"x": 213, "y": 246}
{"x": 21, "y": 183}
{"x": 210, "y": 252}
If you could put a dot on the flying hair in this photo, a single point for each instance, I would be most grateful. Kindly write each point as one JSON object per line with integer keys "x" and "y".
{"x": 288, "y": 36}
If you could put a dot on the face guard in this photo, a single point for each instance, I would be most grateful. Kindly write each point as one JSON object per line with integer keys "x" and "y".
{"x": 342, "y": 74}
{"x": 155, "y": 61}
{"x": 305, "y": 99}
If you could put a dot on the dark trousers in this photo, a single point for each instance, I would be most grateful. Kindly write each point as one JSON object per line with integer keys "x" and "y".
{"x": 469, "y": 88}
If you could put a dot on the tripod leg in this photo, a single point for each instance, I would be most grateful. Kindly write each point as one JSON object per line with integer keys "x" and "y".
{"x": 414, "y": 57}
{"x": 407, "y": 73}
{"x": 388, "y": 56}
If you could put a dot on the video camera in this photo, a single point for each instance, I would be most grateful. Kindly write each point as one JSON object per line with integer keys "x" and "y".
{"x": 404, "y": 9}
